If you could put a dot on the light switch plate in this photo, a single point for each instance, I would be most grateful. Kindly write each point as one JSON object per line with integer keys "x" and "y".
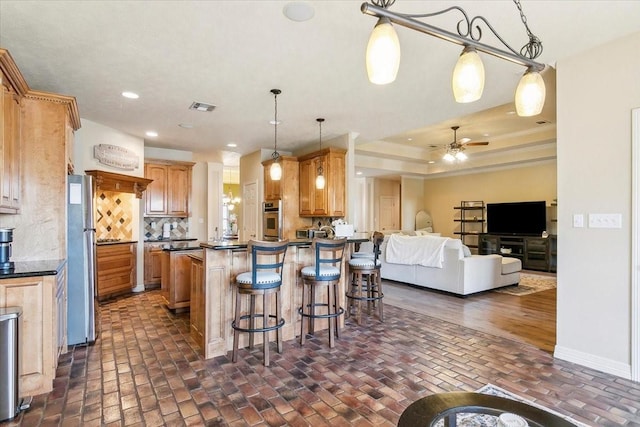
{"x": 578, "y": 220}
{"x": 605, "y": 220}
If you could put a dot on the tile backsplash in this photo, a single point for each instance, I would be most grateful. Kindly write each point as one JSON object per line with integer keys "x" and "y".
{"x": 153, "y": 227}
{"x": 114, "y": 215}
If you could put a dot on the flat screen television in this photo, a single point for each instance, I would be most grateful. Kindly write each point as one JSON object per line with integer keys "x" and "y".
{"x": 524, "y": 218}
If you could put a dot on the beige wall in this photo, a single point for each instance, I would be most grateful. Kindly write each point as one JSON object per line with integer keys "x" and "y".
{"x": 531, "y": 183}
{"x": 596, "y": 92}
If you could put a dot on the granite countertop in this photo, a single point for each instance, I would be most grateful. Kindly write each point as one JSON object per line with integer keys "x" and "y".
{"x": 181, "y": 246}
{"x": 33, "y": 268}
{"x": 235, "y": 244}
{"x": 161, "y": 240}
{"x": 118, "y": 242}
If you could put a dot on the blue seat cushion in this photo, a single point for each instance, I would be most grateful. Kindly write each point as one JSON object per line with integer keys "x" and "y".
{"x": 326, "y": 272}
{"x": 364, "y": 263}
{"x": 264, "y": 279}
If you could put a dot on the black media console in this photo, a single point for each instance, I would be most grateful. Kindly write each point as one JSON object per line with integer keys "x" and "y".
{"x": 536, "y": 253}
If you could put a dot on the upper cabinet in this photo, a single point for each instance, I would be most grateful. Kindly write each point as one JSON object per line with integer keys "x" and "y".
{"x": 273, "y": 190}
{"x": 11, "y": 84}
{"x": 329, "y": 201}
{"x": 169, "y": 194}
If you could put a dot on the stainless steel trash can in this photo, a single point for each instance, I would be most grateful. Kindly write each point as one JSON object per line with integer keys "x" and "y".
{"x": 9, "y": 358}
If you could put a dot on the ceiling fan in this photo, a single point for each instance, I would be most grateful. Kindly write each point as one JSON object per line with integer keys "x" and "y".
{"x": 455, "y": 149}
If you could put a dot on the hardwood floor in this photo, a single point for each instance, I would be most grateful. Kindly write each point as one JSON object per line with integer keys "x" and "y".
{"x": 529, "y": 318}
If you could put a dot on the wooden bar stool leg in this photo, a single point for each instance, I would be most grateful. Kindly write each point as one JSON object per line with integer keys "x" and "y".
{"x": 303, "y": 318}
{"x": 252, "y": 318}
{"x": 236, "y": 333}
{"x": 278, "y": 317}
{"x": 266, "y": 297}
{"x": 336, "y": 307}
{"x": 359, "y": 308}
{"x": 330, "y": 320}
{"x": 312, "y": 309}
{"x": 380, "y": 294}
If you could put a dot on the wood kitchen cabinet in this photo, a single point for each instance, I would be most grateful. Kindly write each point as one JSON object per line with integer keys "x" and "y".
{"x": 329, "y": 201}
{"x": 42, "y": 335}
{"x": 286, "y": 190}
{"x": 176, "y": 278}
{"x": 153, "y": 264}
{"x": 197, "y": 313}
{"x": 9, "y": 147}
{"x": 169, "y": 195}
{"x": 275, "y": 190}
{"x": 116, "y": 268}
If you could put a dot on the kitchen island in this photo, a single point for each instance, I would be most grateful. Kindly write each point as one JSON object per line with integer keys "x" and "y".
{"x": 221, "y": 262}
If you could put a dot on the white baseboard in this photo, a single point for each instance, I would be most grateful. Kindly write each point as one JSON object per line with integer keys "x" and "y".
{"x": 608, "y": 366}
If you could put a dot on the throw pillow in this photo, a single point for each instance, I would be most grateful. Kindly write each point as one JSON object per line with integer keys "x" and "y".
{"x": 466, "y": 251}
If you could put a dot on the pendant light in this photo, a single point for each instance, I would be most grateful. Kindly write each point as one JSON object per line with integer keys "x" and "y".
{"x": 320, "y": 177}
{"x": 383, "y": 53}
{"x": 276, "y": 170}
{"x": 468, "y": 76}
{"x": 530, "y": 94}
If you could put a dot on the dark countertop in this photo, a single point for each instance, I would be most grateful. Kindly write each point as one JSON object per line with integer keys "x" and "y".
{"x": 33, "y": 268}
{"x": 161, "y": 240}
{"x": 181, "y": 246}
{"x": 119, "y": 242}
{"x": 235, "y": 244}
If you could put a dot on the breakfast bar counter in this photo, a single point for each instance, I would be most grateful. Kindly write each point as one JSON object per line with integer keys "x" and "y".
{"x": 222, "y": 261}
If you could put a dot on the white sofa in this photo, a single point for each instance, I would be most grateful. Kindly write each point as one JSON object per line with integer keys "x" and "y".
{"x": 460, "y": 274}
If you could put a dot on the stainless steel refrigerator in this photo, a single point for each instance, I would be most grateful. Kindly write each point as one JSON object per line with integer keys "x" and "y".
{"x": 81, "y": 261}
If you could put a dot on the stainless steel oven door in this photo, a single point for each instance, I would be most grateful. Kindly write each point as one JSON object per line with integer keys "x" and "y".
{"x": 271, "y": 221}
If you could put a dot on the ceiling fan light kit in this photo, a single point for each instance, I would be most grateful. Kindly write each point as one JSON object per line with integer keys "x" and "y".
{"x": 468, "y": 75}
{"x": 455, "y": 149}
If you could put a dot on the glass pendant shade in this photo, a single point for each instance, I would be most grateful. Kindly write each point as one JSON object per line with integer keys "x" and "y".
{"x": 530, "y": 94}
{"x": 275, "y": 172}
{"x": 383, "y": 53}
{"x": 461, "y": 156}
{"x": 449, "y": 157}
{"x": 320, "y": 182}
{"x": 468, "y": 76}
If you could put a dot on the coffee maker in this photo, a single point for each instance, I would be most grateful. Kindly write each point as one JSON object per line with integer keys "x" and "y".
{"x": 6, "y": 237}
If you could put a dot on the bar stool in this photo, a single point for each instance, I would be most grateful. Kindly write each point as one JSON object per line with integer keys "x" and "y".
{"x": 326, "y": 272}
{"x": 366, "y": 281}
{"x": 265, "y": 278}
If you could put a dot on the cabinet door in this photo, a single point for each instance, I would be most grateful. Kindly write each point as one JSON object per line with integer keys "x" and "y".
{"x": 152, "y": 263}
{"x": 156, "y": 192}
{"x": 335, "y": 181}
{"x": 10, "y": 148}
{"x": 307, "y": 195}
{"x": 178, "y": 190}
{"x": 116, "y": 268}
{"x": 182, "y": 280}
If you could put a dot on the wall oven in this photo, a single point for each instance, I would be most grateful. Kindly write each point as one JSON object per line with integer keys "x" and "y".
{"x": 272, "y": 220}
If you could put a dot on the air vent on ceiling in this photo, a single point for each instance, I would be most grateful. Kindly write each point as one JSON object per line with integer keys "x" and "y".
{"x": 201, "y": 106}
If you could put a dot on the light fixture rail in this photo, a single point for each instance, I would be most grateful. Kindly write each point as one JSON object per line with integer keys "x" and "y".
{"x": 466, "y": 36}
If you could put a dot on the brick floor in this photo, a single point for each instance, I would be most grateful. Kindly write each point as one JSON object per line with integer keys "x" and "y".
{"x": 145, "y": 370}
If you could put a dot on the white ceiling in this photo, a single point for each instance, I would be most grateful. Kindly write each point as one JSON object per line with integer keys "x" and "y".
{"x": 232, "y": 53}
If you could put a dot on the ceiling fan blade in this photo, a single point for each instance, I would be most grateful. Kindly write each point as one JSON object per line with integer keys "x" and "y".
{"x": 477, "y": 143}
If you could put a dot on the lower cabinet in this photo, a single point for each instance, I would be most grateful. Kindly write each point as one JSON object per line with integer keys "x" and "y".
{"x": 40, "y": 337}
{"x": 116, "y": 269}
{"x": 153, "y": 264}
{"x": 176, "y": 278}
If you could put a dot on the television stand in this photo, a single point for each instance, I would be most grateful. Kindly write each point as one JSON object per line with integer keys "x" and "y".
{"x": 536, "y": 253}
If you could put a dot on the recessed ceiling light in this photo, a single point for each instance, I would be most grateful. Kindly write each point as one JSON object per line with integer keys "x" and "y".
{"x": 186, "y": 125}
{"x": 431, "y": 162}
{"x": 298, "y": 11}
{"x": 359, "y": 173}
{"x": 273, "y": 122}
{"x": 232, "y": 145}
{"x": 409, "y": 139}
{"x": 510, "y": 113}
{"x": 152, "y": 133}
{"x": 130, "y": 95}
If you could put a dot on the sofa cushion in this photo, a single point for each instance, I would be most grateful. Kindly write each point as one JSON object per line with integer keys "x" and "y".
{"x": 466, "y": 251}
{"x": 511, "y": 265}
